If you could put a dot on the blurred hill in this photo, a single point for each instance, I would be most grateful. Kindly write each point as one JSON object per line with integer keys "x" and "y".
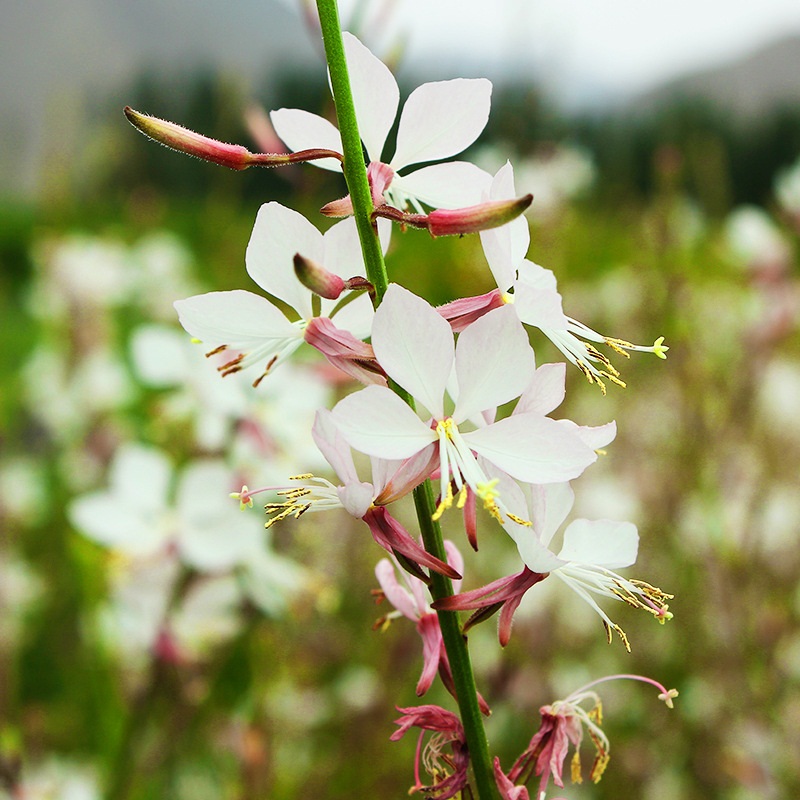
{"x": 748, "y": 87}
{"x": 64, "y": 62}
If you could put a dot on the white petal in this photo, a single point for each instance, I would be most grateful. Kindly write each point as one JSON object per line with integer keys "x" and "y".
{"x": 214, "y": 534}
{"x": 159, "y": 355}
{"x": 456, "y": 184}
{"x": 140, "y": 477}
{"x": 301, "y": 130}
{"x": 355, "y": 317}
{"x": 536, "y": 297}
{"x": 554, "y": 502}
{"x": 377, "y": 422}
{"x": 414, "y": 345}
{"x": 101, "y": 517}
{"x": 505, "y": 247}
{"x": 237, "y": 318}
{"x": 441, "y": 119}
{"x": 602, "y": 543}
{"x": 342, "y": 250}
{"x": 534, "y": 554}
{"x": 332, "y": 445}
{"x": 545, "y": 392}
{"x": 356, "y": 498}
{"x": 595, "y": 437}
{"x": 494, "y": 363}
{"x": 375, "y": 95}
{"x": 278, "y": 234}
{"x": 531, "y": 448}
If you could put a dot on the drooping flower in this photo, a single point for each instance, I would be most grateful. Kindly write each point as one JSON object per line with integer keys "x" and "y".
{"x": 562, "y": 724}
{"x": 439, "y": 120}
{"x": 248, "y": 325}
{"x": 532, "y": 291}
{"x": 411, "y": 601}
{"x": 448, "y": 770}
{"x": 492, "y": 364}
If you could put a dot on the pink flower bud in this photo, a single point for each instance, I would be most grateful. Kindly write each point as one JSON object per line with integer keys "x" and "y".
{"x": 458, "y": 221}
{"x": 317, "y": 279}
{"x": 233, "y": 156}
{"x": 492, "y": 214}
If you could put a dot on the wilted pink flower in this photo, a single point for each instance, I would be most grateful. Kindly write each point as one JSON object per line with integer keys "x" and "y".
{"x": 411, "y": 601}
{"x": 448, "y": 770}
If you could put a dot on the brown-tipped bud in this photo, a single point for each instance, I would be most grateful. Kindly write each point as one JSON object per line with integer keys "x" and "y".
{"x": 317, "y": 279}
{"x": 338, "y": 208}
{"x": 458, "y": 221}
{"x": 233, "y": 156}
{"x": 492, "y": 214}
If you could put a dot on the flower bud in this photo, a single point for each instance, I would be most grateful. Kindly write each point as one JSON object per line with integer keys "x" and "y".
{"x": 233, "y": 156}
{"x": 317, "y": 279}
{"x": 491, "y": 214}
{"x": 458, "y": 221}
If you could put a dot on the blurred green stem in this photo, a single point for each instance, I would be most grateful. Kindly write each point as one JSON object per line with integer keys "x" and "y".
{"x": 355, "y": 174}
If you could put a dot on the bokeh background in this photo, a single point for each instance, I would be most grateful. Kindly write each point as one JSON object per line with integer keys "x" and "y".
{"x": 663, "y": 150}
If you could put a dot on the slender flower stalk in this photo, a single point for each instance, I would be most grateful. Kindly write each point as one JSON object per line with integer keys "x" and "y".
{"x": 355, "y": 173}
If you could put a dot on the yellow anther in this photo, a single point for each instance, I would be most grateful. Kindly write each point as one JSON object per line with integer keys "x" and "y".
{"x": 462, "y": 497}
{"x": 514, "y": 518}
{"x": 304, "y": 477}
{"x": 444, "y": 504}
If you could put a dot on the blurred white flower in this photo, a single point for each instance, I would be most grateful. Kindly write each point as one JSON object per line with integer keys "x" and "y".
{"x": 787, "y": 189}
{"x": 137, "y": 516}
{"x": 19, "y": 589}
{"x": 754, "y": 239}
{"x": 58, "y": 780}
{"x": 163, "y": 358}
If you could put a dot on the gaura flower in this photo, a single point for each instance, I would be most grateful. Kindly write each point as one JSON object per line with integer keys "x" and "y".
{"x": 491, "y": 365}
{"x": 137, "y": 517}
{"x": 391, "y": 480}
{"x": 249, "y": 326}
{"x": 532, "y": 291}
{"x": 438, "y": 121}
{"x": 591, "y": 550}
{"x": 562, "y": 724}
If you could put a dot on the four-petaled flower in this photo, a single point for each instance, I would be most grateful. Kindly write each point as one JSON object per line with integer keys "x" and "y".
{"x": 438, "y": 121}
{"x": 492, "y": 364}
{"x": 250, "y": 326}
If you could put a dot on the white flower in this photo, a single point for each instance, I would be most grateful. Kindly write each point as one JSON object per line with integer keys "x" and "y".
{"x": 250, "y": 325}
{"x": 491, "y": 365}
{"x": 438, "y": 121}
{"x": 136, "y": 516}
{"x": 591, "y": 549}
{"x": 533, "y": 292}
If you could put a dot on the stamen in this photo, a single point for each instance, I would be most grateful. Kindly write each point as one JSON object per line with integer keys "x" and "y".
{"x": 215, "y": 351}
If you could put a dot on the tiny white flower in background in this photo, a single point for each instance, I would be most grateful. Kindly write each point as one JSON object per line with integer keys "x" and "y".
{"x": 163, "y": 358}
{"x": 58, "y": 779}
{"x": 754, "y": 238}
{"x": 79, "y": 271}
{"x": 787, "y": 189}
{"x": 20, "y": 588}
{"x": 64, "y": 397}
{"x": 136, "y": 516}
{"x": 248, "y": 326}
{"x": 163, "y": 267}
{"x": 439, "y": 120}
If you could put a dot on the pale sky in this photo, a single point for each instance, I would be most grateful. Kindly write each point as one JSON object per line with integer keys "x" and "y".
{"x": 615, "y": 46}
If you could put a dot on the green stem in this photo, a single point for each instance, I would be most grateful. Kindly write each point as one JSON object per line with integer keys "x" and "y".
{"x": 354, "y": 168}
{"x": 355, "y": 174}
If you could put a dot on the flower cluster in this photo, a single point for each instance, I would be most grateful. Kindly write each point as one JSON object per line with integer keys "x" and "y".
{"x": 451, "y": 395}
